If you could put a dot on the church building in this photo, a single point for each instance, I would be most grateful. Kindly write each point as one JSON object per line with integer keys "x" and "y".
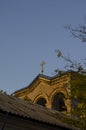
{"x": 51, "y": 92}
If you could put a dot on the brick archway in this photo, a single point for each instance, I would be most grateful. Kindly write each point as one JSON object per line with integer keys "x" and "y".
{"x": 58, "y": 102}
{"x": 41, "y": 101}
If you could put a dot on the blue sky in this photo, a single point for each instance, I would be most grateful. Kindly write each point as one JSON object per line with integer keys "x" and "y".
{"x": 30, "y": 31}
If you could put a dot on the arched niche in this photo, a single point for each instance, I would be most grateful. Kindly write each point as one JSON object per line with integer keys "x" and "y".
{"x": 41, "y": 101}
{"x": 58, "y": 102}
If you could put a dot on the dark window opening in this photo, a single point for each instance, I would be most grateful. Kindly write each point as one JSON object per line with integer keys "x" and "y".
{"x": 58, "y": 102}
{"x": 41, "y": 101}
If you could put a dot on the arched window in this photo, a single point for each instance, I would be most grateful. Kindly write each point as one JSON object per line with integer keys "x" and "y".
{"x": 58, "y": 102}
{"x": 41, "y": 101}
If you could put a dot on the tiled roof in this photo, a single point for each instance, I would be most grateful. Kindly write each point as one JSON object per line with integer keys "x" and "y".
{"x": 29, "y": 110}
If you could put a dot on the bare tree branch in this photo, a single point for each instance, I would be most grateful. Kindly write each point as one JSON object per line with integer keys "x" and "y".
{"x": 78, "y": 32}
{"x": 70, "y": 64}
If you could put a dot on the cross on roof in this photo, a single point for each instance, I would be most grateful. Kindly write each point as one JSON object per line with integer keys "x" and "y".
{"x": 42, "y": 66}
